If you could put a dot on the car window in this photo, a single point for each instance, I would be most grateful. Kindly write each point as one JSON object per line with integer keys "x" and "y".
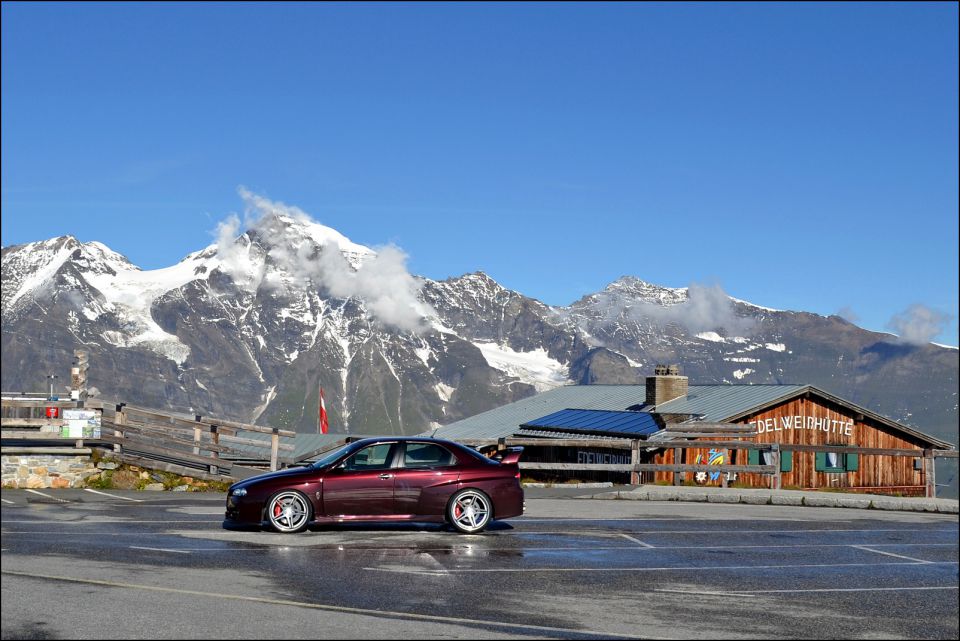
{"x": 374, "y": 457}
{"x": 427, "y": 455}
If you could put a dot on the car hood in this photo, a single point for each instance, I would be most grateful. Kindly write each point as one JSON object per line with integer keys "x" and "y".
{"x": 269, "y": 476}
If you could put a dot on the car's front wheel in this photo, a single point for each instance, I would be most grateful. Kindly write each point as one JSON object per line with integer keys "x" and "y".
{"x": 288, "y": 512}
{"x": 469, "y": 511}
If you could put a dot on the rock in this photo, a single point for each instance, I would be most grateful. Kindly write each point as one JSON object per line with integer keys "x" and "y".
{"x": 187, "y": 479}
{"x": 107, "y": 465}
{"x": 181, "y": 488}
{"x": 35, "y": 482}
{"x": 154, "y": 487}
{"x": 134, "y": 468}
{"x": 59, "y": 482}
{"x": 156, "y": 477}
{"x": 144, "y": 475}
{"x": 124, "y": 480}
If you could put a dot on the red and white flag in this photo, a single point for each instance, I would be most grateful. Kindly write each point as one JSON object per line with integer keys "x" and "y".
{"x": 323, "y": 425}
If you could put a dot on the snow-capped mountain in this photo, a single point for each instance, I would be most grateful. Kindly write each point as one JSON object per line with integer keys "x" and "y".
{"x": 250, "y": 327}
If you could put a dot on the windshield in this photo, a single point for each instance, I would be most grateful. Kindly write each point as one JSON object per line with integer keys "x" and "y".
{"x": 330, "y": 457}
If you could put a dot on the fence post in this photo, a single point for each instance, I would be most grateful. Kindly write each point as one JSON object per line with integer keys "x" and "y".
{"x": 678, "y": 460}
{"x": 274, "y": 449}
{"x": 119, "y": 420}
{"x": 215, "y": 437}
{"x": 775, "y": 481}
{"x": 196, "y": 435}
{"x": 930, "y": 474}
{"x": 724, "y": 476}
{"x": 634, "y": 461}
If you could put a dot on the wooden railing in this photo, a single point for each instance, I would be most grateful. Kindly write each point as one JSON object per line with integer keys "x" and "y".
{"x": 635, "y": 468}
{"x": 163, "y": 440}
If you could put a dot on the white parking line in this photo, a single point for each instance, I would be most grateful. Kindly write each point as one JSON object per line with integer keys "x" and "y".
{"x": 113, "y": 496}
{"x": 742, "y": 593}
{"x": 6, "y": 501}
{"x": 333, "y": 608}
{"x": 137, "y": 547}
{"x": 695, "y": 568}
{"x": 48, "y": 496}
{"x": 899, "y": 556}
{"x": 637, "y": 541}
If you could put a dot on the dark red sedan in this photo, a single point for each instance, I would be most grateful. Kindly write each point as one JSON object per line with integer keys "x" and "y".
{"x": 384, "y": 479}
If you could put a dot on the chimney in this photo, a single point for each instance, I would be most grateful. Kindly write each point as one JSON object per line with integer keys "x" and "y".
{"x": 665, "y": 385}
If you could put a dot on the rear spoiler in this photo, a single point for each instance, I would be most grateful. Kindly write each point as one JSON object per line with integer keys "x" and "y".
{"x": 509, "y": 456}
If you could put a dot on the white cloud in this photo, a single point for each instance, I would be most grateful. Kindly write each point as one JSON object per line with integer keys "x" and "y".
{"x": 918, "y": 324}
{"x": 706, "y": 308}
{"x": 380, "y": 279}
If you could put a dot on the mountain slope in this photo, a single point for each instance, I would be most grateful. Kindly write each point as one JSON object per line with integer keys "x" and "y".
{"x": 249, "y": 328}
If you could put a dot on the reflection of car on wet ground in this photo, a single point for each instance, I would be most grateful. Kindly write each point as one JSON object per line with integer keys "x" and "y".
{"x": 384, "y": 479}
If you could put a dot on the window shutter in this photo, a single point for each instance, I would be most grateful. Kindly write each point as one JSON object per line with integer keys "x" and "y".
{"x": 851, "y": 462}
{"x": 820, "y": 462}
{"x": 753, "y": 457}
{"x": 786, "y": 461}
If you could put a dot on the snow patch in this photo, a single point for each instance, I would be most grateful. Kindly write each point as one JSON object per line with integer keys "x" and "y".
{"x": 444, "y": 391}
{"x": 776, "y": 347}
{"x": 740, "y": 373}
{"x": 741, "y": 359}
{"x": 711, "y": 336}
{"x": 535, "y": 368}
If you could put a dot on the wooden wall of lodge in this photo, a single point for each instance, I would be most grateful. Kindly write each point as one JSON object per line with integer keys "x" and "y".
{"x": 895, "y": 472}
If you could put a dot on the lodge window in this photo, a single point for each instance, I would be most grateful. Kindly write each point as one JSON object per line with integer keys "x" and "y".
{"x": 765, "y": 457}
{"x": 836, "y": 462}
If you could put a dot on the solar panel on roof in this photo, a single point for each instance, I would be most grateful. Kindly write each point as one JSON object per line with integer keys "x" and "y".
{"x": 598, "y": 422}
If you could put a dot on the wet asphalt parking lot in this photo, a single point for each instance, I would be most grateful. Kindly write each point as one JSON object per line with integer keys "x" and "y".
{"x": 83, "y": 564}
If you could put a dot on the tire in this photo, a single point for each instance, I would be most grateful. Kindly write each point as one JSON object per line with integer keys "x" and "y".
{"x": 289, "y": 512}
{"x": 469, "y": 511}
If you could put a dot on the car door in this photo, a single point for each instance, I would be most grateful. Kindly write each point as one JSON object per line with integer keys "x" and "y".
{"x": 363, "y": 484}
{"x": 426, "y": 476}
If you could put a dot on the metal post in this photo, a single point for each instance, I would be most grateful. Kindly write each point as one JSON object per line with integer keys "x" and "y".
{"x": 78, "y": 377}
{"x": 634, "y": 461}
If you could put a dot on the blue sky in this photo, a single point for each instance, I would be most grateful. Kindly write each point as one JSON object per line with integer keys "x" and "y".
{"x": 802, "y": 156}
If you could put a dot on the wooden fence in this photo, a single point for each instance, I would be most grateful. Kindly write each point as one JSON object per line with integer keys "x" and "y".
{"x": 161, "y": 440}
{"x": 635, "y": 467}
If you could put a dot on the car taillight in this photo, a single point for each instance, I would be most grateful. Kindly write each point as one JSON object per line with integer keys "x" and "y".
{"x": 517, "y": 475}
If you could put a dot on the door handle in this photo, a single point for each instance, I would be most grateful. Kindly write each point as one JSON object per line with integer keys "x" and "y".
{"x": 386, "y": 476}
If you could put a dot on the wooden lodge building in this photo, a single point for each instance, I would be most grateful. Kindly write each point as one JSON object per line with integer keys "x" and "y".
{"x": 804, "y": 437}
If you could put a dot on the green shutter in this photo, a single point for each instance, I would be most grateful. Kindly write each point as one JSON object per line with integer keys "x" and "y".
{"x": 820, "y": 462}
{"x": 851, "y": 462}
{"x": 753, "y": 457}
{"x": 786, "y": 461}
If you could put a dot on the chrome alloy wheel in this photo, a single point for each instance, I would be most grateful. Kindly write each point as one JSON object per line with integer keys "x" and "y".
{"x": 288, "y": 512}
{"x": 470, "y": 511}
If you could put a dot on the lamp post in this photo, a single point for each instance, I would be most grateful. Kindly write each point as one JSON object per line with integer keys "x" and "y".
{"x": 52, "y": 377}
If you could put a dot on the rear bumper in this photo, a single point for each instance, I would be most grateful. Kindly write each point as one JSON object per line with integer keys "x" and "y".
{"x": 509, "y": 503}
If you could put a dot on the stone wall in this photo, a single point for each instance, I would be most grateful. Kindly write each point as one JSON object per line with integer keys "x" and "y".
{"x": 35, "y": 468}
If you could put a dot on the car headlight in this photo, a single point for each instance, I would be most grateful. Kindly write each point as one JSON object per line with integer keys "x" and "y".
{"x": 240, "y": 491}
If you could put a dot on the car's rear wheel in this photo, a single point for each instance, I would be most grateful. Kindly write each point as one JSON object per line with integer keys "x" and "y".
{"x": 469, "y": 511}
{"x": 288, "y": 512}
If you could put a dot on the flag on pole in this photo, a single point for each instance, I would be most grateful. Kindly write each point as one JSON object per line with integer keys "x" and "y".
{"x": 322, "y": 424}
